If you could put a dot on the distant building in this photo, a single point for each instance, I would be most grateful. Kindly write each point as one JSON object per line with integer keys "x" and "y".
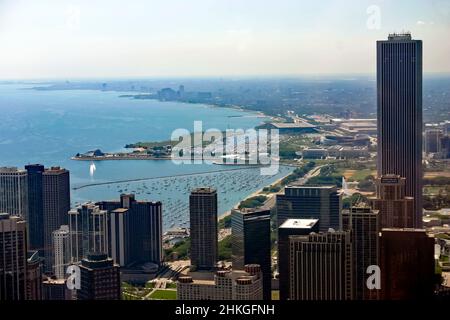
{"x": 35, "y": 206}
{"x": 315, "y": 153}
{"x": 55, "y": 289}
{"x": 88, "y": 228}
{"x": 363, "y": 224}
{"x": 310, "y": 202}
{"x": 399, "y": 114}
{"x": 34, "y": 276}
{"x": 62, "y": 250}
{"x": 100, "y": 278}
{"x": 135, "y": 230}
{"x": 56, "y": 198}
{"x": 14, "y": 191}
{"x": 433, "y": 138}
{"x": 222, "y": 285}
{"x": 291, "y": 227}
{"x": 286, "y": 127}
{"x": 396, "y": 209}
{"x": 321, "y": 266}
{"x": 407, "y": 264}
{"x": 203, "y": 228}
{"x": 13, "y": 258}
{"x": 251, "y": 244}
{"x": 167, "y": 94}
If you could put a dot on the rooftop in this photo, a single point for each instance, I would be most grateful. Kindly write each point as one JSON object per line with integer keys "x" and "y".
{"x": 299, "y": 223}
{"x": 399, "y": 36}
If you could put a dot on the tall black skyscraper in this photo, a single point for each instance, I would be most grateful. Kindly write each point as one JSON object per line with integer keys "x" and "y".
{"x": 35, "y": 207}
{"x": 203, "y": 222}
{"x": 399, "y": 84}
{"x": 311, "y": 202}
{"x": 251, "y": 243}
{"x": 56, "y": 196}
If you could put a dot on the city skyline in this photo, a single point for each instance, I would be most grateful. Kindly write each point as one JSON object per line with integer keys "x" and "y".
{"x": 220, "y": 38}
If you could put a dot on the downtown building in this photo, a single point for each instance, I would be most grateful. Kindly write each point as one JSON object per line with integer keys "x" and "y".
{"x": 244, "y": 284}
{"x": 311, "y": 202}
{"x": 35, "y": 206}
{"x": 396, "y": 210}
{"x": 56, "y": 204}
{"x": 203, "y": 228}
{"x": 251, "y": 243}
{"x": 291, "y": 227}
{"x": 13, "y": 258}
{"x": 99, "y": 278}
{"x": 399, "y": 114}
{"x": 364, "y": 227}
{"x": 14, "y": 192}
{"x": 321, "y": 266}
{"x": 407, "y": 264}
{"x": 88, "y": 232}
{"x": 62, "y": 250}
{"x": 135, "y": 233}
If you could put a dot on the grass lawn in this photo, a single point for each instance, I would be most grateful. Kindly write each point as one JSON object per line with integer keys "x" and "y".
{"x": 171, "y": 285}
{"x": 164, "y": 295}
{"x": 357, "y": 175}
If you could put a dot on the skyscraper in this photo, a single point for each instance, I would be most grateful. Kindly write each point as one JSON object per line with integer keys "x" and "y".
{"x": 61, "y": 248}
{"x": 88, "y": 228}
{"x": 363, "y": 224}
{"x": 321, "y": 266}
{"x": 135, "y": 230}
{"x": 399, "y": 109}
{"x": 99, "y": 278}
{"x": 35, "y": 206}
{"x": 14, "y": 191}
{"x": 311, "y": 202}
{"x": 34, "y": 276}
{"x": 56, "y": 197}
{"x": 250, "y": 239}
{"x": 203, "y": 224}
{"x": 13, "y": 257}
{"x": 395, "y": 209}
{"x": 291, "y": 227}
{"x": 407, "y": 264}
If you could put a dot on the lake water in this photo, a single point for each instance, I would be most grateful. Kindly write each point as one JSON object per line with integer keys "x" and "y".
{"x": 49, "y": 127}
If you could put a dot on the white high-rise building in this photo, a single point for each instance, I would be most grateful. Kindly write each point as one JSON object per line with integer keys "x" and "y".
{"x": 61, "y": 247}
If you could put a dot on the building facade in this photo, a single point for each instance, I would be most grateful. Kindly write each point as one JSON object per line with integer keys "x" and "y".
{"x": 56, "y": 198}
{"x": 321, "y": 266}
{"x": 291, "y": 227}
{"x": 251, "y": 244}
{"x": 363, "y": 224}
{"x": 62, "y": 250}
{"x": 203, "y": 228}
{"x": 100, "y": 278}
{"x": 399, "y": 113}
{"x": 35, "y": 206}
{"x": 14, "y": 191}
{"x": 13, "y": 258}
{"x": 222, "y": 285}
{"x": 396, "y": 210}
{"x": 311, "y": 202}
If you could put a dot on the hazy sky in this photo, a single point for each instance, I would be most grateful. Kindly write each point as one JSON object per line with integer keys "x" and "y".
{"x": 138, "y": 38}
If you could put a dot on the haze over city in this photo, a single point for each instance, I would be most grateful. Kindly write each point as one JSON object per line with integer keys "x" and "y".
{"x": 82, "y": 39}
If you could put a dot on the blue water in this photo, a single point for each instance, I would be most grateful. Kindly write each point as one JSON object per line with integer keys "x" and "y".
{"x": 49, "y": 127}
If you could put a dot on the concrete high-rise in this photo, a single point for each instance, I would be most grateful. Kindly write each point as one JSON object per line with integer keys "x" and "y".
{"x": 13, "y": 258}
{"x": 56, "y": 198}
{"x": 61, "y": 248}
{"x": 321, "y": 266}
{"x": 88, "y": 228}
{"x": 245, "y": 284}
{"x": 251, "y": 244}
{"x": 311, "y": 202}
{"x": 407, "y": 264}
{"x": 135, "y": 230}
{"x": 99, "y": 278}
{"x": 291, "y": 227}
{"x": 35, "y": 206}
{"x": 399, "y": 110}
{"x": 396, "y": 210}
{"x": 34, "y": 276}
{"x": 364, "y": 227}
{"x": 203, "y": 228}
{"x": 14, "y": 191}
